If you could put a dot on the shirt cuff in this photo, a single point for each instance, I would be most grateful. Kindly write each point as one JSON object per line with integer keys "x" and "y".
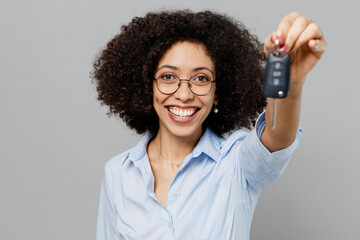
{"x": 259, "y": 128}
{"x": 260, "y": 124}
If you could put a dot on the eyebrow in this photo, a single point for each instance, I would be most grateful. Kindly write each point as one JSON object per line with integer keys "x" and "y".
{"x": 194, "y": 70}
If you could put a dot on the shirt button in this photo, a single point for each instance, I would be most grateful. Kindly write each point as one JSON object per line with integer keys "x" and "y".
{"x": 169, "y": 225}
{"x": 175, "y": 195}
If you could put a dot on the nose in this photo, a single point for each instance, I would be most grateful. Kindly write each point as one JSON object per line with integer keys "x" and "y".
{"x": 184, "y": 93}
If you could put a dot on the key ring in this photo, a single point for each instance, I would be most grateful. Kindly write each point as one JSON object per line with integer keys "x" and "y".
{"x": 277, "y": 44}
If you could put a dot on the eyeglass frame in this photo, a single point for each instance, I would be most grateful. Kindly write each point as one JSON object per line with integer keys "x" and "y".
{"x": 179, "y": 84}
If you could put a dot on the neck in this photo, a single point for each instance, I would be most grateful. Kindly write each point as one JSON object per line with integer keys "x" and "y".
{"x": 175, "y": 148}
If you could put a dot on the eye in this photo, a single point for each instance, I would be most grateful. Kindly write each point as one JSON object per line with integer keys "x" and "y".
{"x": 201, "y": 78}
{"x": 167, "y": 77}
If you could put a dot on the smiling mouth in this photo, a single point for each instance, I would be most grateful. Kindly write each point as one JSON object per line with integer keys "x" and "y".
{"x": 182, "y": 113}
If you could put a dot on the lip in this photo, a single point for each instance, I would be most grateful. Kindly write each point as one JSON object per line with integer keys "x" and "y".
{"x": 182, "y": 120}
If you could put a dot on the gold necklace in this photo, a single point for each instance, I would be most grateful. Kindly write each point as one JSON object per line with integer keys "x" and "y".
{"x": 176, "y": 164}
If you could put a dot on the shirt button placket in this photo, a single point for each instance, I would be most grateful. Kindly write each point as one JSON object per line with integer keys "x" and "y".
{"x": 171, "y": 227}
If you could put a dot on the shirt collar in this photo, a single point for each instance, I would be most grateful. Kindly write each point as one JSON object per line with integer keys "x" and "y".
{"x": 209, "y": 144}
{"x": 139, "y": 151}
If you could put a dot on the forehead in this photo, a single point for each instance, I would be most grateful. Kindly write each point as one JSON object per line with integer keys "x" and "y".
{"x": 187, "y": 56}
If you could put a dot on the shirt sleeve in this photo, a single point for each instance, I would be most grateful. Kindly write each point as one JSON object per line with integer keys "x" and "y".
{"x": 259, "y": 166}
{"x": 107, "y": 216}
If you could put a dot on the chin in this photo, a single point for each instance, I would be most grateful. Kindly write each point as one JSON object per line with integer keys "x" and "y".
{"x": 185, "y": 132}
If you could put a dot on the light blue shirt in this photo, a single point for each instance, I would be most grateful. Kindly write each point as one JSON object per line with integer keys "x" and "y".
{"x": 212, "y": 196}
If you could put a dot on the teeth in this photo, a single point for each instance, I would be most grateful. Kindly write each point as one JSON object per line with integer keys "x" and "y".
{"x": 182, "y": 113}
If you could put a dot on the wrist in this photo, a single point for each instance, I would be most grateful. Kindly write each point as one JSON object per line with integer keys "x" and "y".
{"x": 296, "y": 87}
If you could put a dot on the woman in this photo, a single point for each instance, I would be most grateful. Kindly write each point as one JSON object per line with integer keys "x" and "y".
{"x": 186, "y": 79}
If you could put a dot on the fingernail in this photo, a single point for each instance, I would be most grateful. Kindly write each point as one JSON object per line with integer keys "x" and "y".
{"x": 284, "y": 48}
{"x": 316, "y": 46}
{"x": 281, "y": 39}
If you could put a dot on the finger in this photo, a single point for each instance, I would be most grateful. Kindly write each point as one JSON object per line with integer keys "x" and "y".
{"x": 317, "y": 46}
{"x": 312, "y": 31}
{"x": 269, "y": 45}
{"x": 299, "y": 26}
{"x": 273, "y": 37}
{"x": 285, "y": 25}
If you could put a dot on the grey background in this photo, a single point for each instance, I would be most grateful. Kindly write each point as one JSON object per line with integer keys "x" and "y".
{"x": 55, "y": 137}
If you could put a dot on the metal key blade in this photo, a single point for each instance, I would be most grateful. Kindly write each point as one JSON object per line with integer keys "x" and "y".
{"x": 274, "y": 114}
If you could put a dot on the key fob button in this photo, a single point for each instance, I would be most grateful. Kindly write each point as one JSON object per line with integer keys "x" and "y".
{"x": 277, "y": 66}
{"x": 276, "y": 81}
{"x": 277, "y": 74}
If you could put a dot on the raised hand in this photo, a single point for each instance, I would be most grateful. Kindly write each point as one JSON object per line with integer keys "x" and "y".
{"x": 303, "y": 39}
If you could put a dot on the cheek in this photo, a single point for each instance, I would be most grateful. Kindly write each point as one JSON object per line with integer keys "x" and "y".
{"x": 158, "y": 100}
{"x": 156, "y": 103}
{"x": 208, "y": 103}
{"x": 155, "y": 94}
{"x": 210, "y": 100}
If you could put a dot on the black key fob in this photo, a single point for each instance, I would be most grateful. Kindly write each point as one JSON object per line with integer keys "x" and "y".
{"x": 277, "y": 75}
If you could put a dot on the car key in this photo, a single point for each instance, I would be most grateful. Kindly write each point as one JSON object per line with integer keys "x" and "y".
{"x": 277, "y": 76}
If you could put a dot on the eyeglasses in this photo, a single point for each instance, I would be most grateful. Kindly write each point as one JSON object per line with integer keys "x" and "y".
{"x": 170, "y": 83}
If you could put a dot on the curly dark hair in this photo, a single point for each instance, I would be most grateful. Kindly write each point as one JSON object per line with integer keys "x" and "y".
{"x": 124, "y": 70}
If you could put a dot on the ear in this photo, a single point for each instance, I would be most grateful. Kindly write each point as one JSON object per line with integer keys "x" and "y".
{"x": 215, "y": 99}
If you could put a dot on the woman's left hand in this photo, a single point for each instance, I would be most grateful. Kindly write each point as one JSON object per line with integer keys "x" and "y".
{"x": 303, "y": 40}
